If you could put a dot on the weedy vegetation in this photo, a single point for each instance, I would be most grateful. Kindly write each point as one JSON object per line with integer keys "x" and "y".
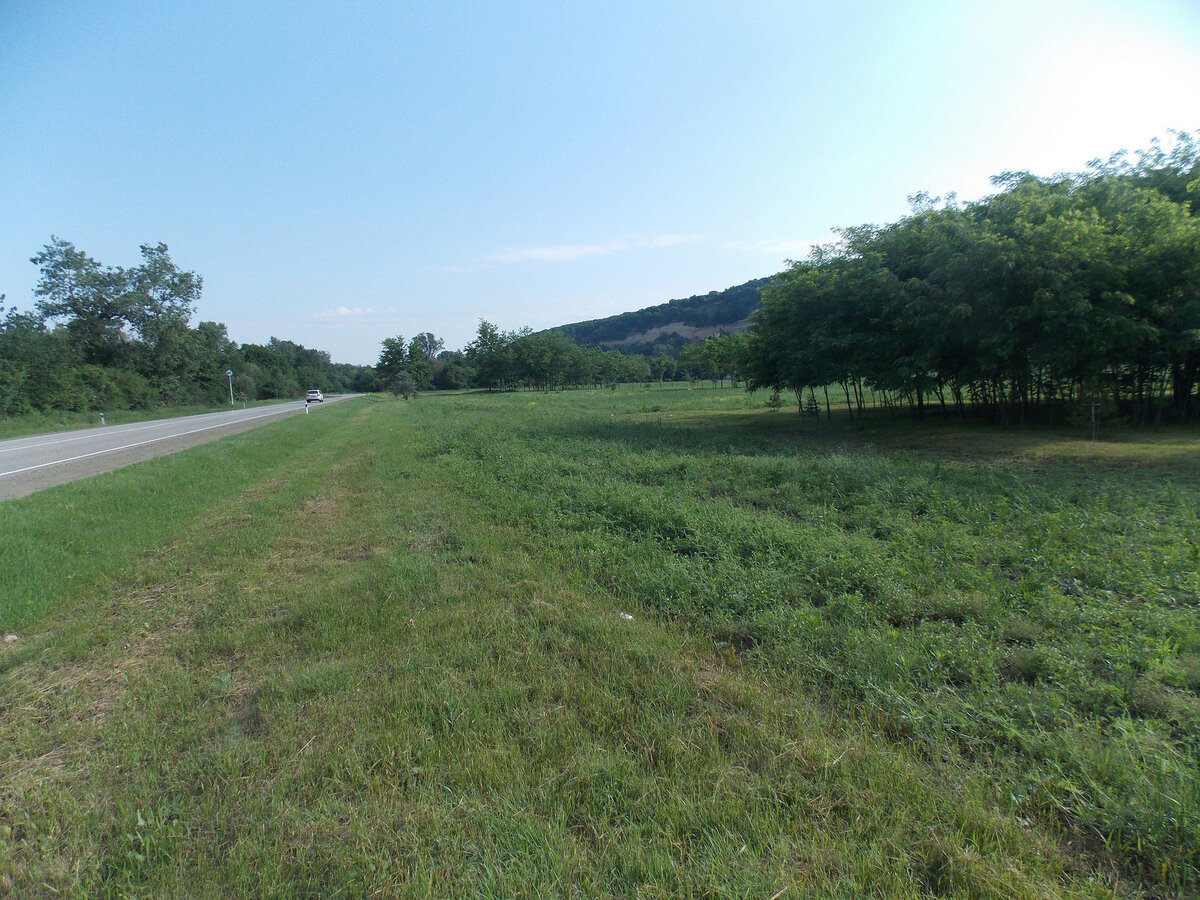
{"x": 652, "y": 642}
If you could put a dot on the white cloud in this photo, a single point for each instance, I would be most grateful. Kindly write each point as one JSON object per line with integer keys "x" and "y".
{"x": 343, "y": 311}
{"x": 571, "y": 252}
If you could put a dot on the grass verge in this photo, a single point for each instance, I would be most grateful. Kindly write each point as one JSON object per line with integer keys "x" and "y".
{"x": 393, "y": 654}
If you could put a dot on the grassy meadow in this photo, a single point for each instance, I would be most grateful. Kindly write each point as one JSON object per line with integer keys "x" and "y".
{"x": 651, "y": 642}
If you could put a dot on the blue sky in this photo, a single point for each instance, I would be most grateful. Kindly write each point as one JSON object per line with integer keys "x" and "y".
{"x": 344, "y": 172}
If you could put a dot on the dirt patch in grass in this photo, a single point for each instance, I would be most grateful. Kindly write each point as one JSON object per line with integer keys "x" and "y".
{"x": 357, "y": 552}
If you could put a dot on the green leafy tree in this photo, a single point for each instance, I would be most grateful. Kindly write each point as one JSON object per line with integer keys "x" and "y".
{"x": 271, "y": 371}
{"x": 160, "y": 292}
{"x": 27, "y": 356}
{"x": 393, "y": 358}
{"x": 403, "y": 385}
{"x": 724, "y": 355}
{"x": 365, "y": 380}
{"x": 429, "y": 344}
{"x": 452, "y": 371}
{"x": 663, "y": 367}
{"x": 213, "y": 353}
{"x": 420, "y": 364}
{"x": 90, "y": 300}
{"x": 491, "y": 356}
{"x": 1051, "y": 291}
{"x": 243, "y": 387}
{"x": 691, "y": 361}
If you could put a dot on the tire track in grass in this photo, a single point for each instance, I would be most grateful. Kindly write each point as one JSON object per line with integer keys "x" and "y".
{"x": 67, "y": 695}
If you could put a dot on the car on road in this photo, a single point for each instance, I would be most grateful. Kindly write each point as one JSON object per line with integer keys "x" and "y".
{"x": 314, "y": 397}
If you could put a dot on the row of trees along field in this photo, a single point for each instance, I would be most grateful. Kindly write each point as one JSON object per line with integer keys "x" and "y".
{"x": 101, "y": 338}
{"x": 1044, "y": 298}
{"x": 105, "y": 338}
{"x": 544, "y": 360}
{"x": 505, "y": 360}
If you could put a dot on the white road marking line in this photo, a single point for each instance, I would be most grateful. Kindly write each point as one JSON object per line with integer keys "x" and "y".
{"x": 89, "y": 433}
{"x": 59, "y": 462}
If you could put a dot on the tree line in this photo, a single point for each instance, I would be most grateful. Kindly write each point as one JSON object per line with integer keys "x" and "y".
{"x": 546, "y": 360}
{"x": 104, "y": 338}
{"x": 503, "y": 360}
{"x": 1051, "y": 295}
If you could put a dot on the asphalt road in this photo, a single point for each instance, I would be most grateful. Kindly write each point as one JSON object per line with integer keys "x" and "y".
{"x": 29, "y": 464}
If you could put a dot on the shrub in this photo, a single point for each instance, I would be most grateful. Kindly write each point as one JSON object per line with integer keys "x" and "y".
{"x": 1021, "y": 631}
{"x": 1028, "y": 664}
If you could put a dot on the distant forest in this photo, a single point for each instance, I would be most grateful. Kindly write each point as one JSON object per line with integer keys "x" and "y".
{"x": 104, "y": 338}
{"x": 545, "y": 360}
{"x": 726, "y": 310}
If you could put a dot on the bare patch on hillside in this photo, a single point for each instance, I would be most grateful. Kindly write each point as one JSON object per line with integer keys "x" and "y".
{"x": 689, "y": 332}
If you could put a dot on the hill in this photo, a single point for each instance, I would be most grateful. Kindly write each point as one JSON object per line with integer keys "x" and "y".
{"x": 668, "y": 326}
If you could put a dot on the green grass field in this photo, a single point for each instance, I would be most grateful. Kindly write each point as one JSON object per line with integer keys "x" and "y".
{"x": 652, "y": 642}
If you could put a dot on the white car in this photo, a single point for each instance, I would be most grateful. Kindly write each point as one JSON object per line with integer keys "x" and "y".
{"x": 314, "y": 397}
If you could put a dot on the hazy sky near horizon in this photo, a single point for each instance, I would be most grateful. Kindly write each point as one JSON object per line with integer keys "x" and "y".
{"x": 339, "y": 173}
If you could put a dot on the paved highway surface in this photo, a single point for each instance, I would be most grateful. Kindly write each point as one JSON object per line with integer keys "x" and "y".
{"x": 31, "y": 463}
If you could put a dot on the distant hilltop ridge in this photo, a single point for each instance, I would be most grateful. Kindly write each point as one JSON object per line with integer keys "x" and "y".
{"x": 667, "y": 327}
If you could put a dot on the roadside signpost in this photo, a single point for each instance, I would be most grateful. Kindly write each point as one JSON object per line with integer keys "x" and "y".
{"x": 229, "y": 375}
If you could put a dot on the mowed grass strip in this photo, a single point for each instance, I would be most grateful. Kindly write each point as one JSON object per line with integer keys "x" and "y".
{"x": 393, "y": 661}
